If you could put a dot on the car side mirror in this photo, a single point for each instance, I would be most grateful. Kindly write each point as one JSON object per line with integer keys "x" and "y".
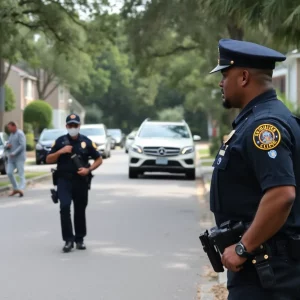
{"x": 196, "y": 138}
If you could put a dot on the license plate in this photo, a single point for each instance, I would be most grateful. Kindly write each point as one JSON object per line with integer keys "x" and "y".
{"x": 161, "y": 161}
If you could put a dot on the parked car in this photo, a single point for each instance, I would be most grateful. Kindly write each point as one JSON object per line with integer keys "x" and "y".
{"x": 118, "y": 136}
{"x": 3, "y": 157}
{"x": 163, "y": 147}
{"x": 112, "y": 143}
{"x": 129, "y": 140}
{"x": 45, "y": 142}
{"x": 99, "y": 135}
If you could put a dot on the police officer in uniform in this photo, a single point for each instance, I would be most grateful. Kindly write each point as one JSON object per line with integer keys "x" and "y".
{"x": 256, "y": 177}
{"x": 73, "y": 183}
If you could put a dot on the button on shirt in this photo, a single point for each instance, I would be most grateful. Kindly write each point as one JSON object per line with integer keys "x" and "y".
{"x": 260, "y": 153}
{"x": 82, "y": 146}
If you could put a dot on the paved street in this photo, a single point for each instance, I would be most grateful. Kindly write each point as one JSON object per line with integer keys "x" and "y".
{"x": 142, "y": 241}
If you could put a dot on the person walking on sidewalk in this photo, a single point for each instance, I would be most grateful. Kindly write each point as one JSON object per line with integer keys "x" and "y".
{"x": 16, "y": 148}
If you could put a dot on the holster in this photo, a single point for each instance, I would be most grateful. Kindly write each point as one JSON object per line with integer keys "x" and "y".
{"x": 54, "y": 176}
{"x": 263, "y": 268}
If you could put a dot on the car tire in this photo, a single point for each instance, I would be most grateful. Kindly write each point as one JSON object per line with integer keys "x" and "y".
{"x": 133, "y": 173}
{"x": 126, "y": 150}
{"x": 37, "y": 161}
{"x": 191, "y": 174}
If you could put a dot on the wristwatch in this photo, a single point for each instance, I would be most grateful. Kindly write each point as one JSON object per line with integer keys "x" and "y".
{"x": 241, "y": 250}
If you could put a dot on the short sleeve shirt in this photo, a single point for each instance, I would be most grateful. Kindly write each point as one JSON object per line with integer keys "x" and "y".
{"x": 259, "y": 154}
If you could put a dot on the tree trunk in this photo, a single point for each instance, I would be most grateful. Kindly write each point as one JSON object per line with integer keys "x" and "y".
{"x": 2, "y": 93}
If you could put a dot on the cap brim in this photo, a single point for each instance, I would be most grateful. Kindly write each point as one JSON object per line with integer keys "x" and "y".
{"x": 219, "y": 68}
{"x": 73, "y": 122}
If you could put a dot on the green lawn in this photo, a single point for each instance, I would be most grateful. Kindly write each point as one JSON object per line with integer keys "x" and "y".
{"x": 28, "y": 175}
{"x": 204, "y": 154}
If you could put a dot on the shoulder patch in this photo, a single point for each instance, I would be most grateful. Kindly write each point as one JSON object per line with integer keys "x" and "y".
{"x": 53, "y": 144}
{"x": 266, "y": 137}
{"x": 94, "y": 145}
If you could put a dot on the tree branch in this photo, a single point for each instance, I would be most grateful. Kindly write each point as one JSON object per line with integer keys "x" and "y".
{"x": 176, "y": 50}
{"x": 30, "y": 26}
{"x": 52, "y": 90}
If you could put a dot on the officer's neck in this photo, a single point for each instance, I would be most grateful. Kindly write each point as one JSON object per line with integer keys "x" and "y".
{"x": 74, "y": 137}
{"x": 253, "y": 92}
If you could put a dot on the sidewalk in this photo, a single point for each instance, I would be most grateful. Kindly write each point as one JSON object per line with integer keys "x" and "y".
{"x": 215, "y": 289}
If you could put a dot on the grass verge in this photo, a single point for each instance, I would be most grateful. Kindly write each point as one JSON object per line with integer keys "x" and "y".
{"x": 28, "y": 175}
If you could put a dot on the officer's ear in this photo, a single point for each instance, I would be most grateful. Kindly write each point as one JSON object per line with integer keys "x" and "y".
{"x": 245, "y": 78}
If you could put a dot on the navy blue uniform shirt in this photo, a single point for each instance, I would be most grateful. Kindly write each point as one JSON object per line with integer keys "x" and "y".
{"x": 82, "y": 146}
{"x": 262, "y": 152}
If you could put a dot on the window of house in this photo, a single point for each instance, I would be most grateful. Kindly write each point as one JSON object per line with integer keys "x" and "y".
{"x": 28, "y": 90}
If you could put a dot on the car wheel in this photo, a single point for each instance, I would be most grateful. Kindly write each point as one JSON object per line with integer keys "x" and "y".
{"x": 126, "y": 150}
{"x": 133, "y": 173}
{"x": 37, "y": 161}
{"x": 109, "y": 154}
{"x": 191, "y": 174}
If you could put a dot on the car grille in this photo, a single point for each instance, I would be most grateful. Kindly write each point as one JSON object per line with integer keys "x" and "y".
{"x": 171, "y": 163}
{"x": 161, "y": 151}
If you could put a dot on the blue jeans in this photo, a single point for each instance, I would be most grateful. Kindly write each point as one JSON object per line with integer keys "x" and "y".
{"x": 19, "y": 165}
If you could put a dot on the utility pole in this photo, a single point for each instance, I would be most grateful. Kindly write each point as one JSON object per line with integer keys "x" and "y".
{"x": 2, "y": 93}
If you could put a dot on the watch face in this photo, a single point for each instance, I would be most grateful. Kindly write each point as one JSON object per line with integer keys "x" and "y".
{"x": 239, "y": 250}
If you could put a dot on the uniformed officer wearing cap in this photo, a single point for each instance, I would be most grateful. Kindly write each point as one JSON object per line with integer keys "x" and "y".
{"x": 256, "y": 176}
{"x": 72, "y": 181}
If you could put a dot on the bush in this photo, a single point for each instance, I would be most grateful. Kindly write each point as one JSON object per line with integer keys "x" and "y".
{"x": 27, "y": 128}
{"x": 29, "y": 141}
{"x": 10, "y": 100}
{"x": 39, "y": 114}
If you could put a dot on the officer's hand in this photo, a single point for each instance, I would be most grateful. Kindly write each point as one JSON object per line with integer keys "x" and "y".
{"x": 66, "y": 149}
{"x": 83, "y": 171}
{"x": 231, "y": 260}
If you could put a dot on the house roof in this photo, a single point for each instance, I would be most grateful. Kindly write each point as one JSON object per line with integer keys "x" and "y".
{"x": 21, "y": 72}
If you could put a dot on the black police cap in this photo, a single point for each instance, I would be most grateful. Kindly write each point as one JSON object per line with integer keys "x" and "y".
{"x": 73, "y": 118}
{"x": 233, "y": 53}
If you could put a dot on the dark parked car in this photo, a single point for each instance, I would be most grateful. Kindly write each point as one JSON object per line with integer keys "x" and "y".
{"x": 44, "y": 143}
{"x": 3, "y": 159}
{"x": 118, "y": 136}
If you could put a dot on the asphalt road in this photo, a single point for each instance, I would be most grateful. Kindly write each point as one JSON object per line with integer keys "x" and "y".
{"x": 142, "y": 241}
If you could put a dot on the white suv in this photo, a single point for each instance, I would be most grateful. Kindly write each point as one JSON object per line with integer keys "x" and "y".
{"x": 163, "y": 147}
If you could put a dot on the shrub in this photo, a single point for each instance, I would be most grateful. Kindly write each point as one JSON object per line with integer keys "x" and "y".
{"x": 39, "y": 114}
{"x": 29, "y": 141}
{"x": 10, "y": 100}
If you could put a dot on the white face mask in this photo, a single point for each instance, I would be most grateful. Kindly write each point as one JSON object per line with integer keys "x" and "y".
{"x": 73, "y": 131}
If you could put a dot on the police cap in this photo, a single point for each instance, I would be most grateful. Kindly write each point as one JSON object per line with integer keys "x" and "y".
{"x": 233, "y": 53}
{"x": 73, "y": 118}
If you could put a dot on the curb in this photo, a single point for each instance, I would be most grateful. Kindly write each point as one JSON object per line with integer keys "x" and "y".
{"x": 28, "y": 182}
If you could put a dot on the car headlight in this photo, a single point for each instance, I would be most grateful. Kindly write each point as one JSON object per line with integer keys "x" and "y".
{"x": 187, "y": 150}
{"x": 137, "y": 149}
{"x": 39, "y": 147}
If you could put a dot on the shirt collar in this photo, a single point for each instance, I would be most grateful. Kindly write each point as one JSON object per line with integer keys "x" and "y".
{"x": 264, "y": 97}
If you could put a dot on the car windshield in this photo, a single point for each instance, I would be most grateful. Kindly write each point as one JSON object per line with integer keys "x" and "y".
{"x": 114, "y": 132}
{"x": 51, "y": 135}
{"x": 92, "y": 131}
{"x": 164, "y": 131}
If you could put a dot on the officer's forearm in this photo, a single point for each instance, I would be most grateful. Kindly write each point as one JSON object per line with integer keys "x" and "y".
{"x": 96, "y": 164}
{"x": 52, "y": 158}
{"x": 271, "y": 215}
